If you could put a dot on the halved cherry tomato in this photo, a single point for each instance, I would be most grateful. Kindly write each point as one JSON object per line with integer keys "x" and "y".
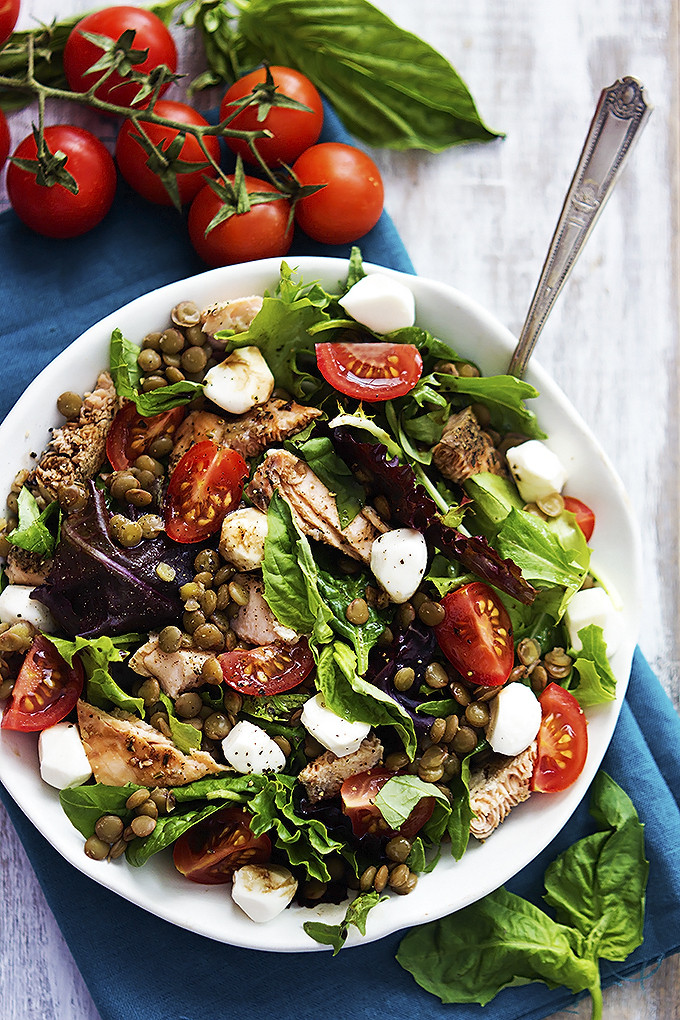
{"x": 211, "y": 851}
{"x": 562, "y": 741}
{"x": 131, "y": 433}
{"x": 46, "y": 689}
{"x": 206, "y": 484}
{"x": 476, "y": 634}
{"x": 371, "y": 371}
{"x": 585, "y": 518}
{"x": 358, "y": 795}
{"x": 269, "y": 669}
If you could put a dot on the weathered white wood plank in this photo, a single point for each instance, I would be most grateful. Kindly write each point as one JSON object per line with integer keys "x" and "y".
{"x": 480, "y": 217}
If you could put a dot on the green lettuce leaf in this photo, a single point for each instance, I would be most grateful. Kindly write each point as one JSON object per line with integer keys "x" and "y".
{"x": 36, "y": 531}
{"x": 101, "y": 689}
{"x": 401, "y": 794}
{"x": 186, "y": 737}
{"x": 126, "y": 375}
{"x": 503, "y": 395}
{"x": 596, "y": 681}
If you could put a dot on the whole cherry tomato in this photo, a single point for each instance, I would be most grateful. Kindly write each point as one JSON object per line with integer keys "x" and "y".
{"x": 55, "y": 211}
{"x": 352, "y": 199}
{"x": 5, "y": 140}
{"x": 80, "y": 54}
{"x": 132, "y": 158}
{"x": 292, "y": 130}
{"x": 9, "y": 12}
{"x": 261, "y": 232}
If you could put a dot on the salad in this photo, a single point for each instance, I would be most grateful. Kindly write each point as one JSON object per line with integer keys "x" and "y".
{"x": 295, "y": 592}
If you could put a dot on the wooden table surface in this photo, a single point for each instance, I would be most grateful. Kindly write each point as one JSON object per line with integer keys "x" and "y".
{"x": 480, "y": 218}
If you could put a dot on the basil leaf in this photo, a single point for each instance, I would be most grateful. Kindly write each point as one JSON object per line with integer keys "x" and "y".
{"x": 127, "y": 374}
{"x": 168, "y": 829}
{"x": 336, "y": 934}
{"x": 596, "y": 681}
{"x": 337, "y": 593}
{"x": 290, "y": 575}
{"x": 500, "y": 941}
{"x": 458, "y": 823}
{"x": 32, "y": 532}
{"x": 401, "y": 795}
{"x": 389, "y": 87}
{"x": 184, "y": 735}
{"x": 357, "y": 700}
{"x": 600, "y": 881}
{"x": 84, "y": 805}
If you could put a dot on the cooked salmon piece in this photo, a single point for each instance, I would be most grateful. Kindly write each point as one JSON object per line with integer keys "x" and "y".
{"x": 312, "y": 504}
{"x": 498, "y": 788}
{"x": 123, "y": 749}
{"x": 236, "y": 315}
{"x": 324, "y": 776}
{"x": 255, "y": 622}
{"x": 176, "y": 672}
{"x": 465, "y": 449}
{"x": 24, "y": 567}
{"x": 249, "y": 433}
{"x": 77, "y": 450}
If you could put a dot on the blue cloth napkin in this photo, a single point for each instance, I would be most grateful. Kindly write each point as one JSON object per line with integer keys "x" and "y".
{"x": 51, "y": 291}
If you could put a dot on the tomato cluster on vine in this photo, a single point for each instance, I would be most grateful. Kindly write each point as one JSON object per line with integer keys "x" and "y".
{"x": 61, "y": 180}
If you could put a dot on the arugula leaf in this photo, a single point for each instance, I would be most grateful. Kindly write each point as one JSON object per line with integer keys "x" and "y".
{"x": 357, "y": 700}
{"x": 32, "y": 532}
{"x": 318, "y": 453}
{"x": 431, "y": 348}
{"x": 336, "y": 934}
{"x": 596, "y": 683}
{"x": 290, "y": 575}
{"x": 597, "y": 888}
{"x": 126, "y": 375}
{"x": 96, "y": 654}
{"x": 356, "y": 269}
{"x": 504, "y": 395}
{"x": 388, "y": 86}
{"x": 337, "y": 593}
{"x": 184, "y": 735}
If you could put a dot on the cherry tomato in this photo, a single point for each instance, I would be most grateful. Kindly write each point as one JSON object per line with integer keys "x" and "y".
{"x": 205, "y": 485}
{"x": 358, "y": 802}
{"x": 476, "y": 634}
{"x": 261, "y": 232}
{"x": 131, "y": 433}
{"x": 585, "y": 518}
{"x": 293, "y": 130}
{"x": 270, "y": 669}
{"x": 562, "y": 741}
{"x": 211, "y": 851}
{"x": 371, "y": 371}
{"x": 132, "y": 159}
{"x": 55, "y": 211}
{"x": 352, "y": 199}
{"x": 46, "y": 689}
{"x": 9, "y": 12}
{"x": 5, "y": 140}
{"x": 80, "y": 54}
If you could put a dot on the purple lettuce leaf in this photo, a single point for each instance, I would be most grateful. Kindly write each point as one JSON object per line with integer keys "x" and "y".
{"x": 414, "y": 648}
{"x": 413, "y": 507}
{"x": 97, "y": 587}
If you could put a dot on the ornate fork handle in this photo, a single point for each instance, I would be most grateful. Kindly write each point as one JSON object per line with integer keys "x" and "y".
{"x": 621, "y": 113}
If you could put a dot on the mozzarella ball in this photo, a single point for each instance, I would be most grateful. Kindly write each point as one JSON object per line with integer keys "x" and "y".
{"x": 399, "y": 561}
{"x": 593, "y": 605}
{"x": 332, "y": 731}
{"x": 240, "y": 382}
{"x": 262, "y": 891}
{"x": 63, "y": 761}
{"x": 248, "y": 748}
{"x": 381, "y": 303}
{"x": 515, "y": 719}
{"x": 538, "y": 472}
{"x": 242, "y": 538}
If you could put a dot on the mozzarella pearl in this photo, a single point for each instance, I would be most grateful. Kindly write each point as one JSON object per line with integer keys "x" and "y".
{"x": 399, "y": 561}
{"x": 240, "y": 382}
{"x": 63, "y": 761}
{"x": 381, "y": 303}
{"x": 16, "y": 605}
{"x": 537, "y": 471}
{"x": 242, "y": 539}
{"x": 332, "y": 731}
{"x": 248, "y": 748}
{"x": 515, "y": 719}
{"x": 593, "y": 605}
{"x": 262, "y": 891}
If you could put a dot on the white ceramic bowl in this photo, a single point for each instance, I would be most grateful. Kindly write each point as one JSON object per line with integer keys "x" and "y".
{"x": 209, "y": 910}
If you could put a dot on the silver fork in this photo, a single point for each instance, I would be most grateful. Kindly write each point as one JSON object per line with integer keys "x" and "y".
{"x": 621, "y": 113}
